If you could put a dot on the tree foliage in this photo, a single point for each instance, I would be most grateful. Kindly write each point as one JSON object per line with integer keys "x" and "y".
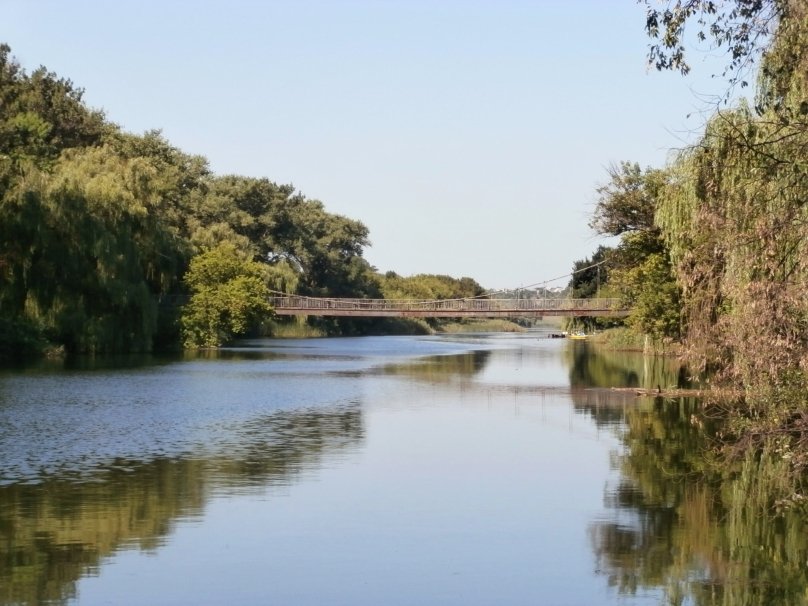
{"x": 739, "y": 27}
{"x": 429, "y": 287}
{"x": 98, "y": 228}
{"x": 737, "y": 226}
{"x": 590, "y": 274}
{"x": 40, "y": 115}
{"x": 627, "y": 203}
{"x": 736, "y": 222}
{"x": 228, "y": 295}
{"x": 734, "y": 218}
{"x": 649, "y": 288}
{"x": 638, "y": 269}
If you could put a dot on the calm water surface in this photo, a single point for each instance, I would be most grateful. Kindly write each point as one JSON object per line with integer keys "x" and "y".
{"x": 382, "y": 470}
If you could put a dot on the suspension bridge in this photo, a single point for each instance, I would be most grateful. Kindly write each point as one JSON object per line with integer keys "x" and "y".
{"x": 294, "y": 305}
{"x": 482, "y": 306}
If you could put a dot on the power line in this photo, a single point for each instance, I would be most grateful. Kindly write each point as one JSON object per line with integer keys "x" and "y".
{"x": 537, "y": 284}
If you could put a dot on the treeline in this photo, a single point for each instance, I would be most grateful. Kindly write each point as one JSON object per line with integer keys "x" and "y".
{"x": 714, "y": 245}
{"x": 115, "y": 242}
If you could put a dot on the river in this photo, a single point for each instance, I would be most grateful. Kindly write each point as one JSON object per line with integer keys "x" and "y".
{"x": 476, "y": 469}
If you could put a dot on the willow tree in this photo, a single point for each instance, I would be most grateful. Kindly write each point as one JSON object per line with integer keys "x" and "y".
{"x": 736, "y": 220}
{"x": 97, "y": 255}
{"x": 41, "y": 115}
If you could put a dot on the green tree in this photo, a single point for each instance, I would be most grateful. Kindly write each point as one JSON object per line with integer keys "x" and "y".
{"x": 277, "y": 224}
{"x": 86, "y": 255}
{"x": 98, "y": 228}
{"x": 229, "y": 296}
{"x": 735, "y": 221}
{"x": 590, "y": 274}
{"x": 639, "y": 268}
{"x": 650, "y": 288}
{"x": 627, "y": 203}
{"x": 42, "y": 114}
{"x": 284, "y": 229}
{"x": 429, "y": 287}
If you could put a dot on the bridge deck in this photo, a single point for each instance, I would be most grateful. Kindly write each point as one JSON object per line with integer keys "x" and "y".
{"x": 450, "y": 308}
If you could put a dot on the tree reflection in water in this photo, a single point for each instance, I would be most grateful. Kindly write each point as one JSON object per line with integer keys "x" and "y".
{"x": 705, "y": 531}
{"x": 58, "y": 530}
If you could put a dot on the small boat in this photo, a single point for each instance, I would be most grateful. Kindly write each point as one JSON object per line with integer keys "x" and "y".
{"x": 577, "y": 335}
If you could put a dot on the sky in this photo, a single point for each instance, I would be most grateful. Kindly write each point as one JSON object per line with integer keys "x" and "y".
{"x": 468, "y": 136}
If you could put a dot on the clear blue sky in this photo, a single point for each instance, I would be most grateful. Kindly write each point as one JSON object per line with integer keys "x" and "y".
{"x": 469, "y": 136}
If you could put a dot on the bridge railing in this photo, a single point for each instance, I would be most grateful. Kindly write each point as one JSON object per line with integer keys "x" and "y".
{"x": 462, "y": 305}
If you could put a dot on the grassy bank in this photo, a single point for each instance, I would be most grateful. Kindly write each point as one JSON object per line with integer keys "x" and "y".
{"x": 625, "y": 339}
{"x": 487, "y": 325}
{"x": 298, "y": 328}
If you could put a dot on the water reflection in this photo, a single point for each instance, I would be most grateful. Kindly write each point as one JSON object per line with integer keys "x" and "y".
{"x": 704, "y": 534}
{"x": 590, "y": 366}
{"x": 56, "y": 531}
{"x": 595, "y": 371}
{"x": 441, "y": 369}
{"x": 103, "y": 454}
{"x": 96, "y": 462}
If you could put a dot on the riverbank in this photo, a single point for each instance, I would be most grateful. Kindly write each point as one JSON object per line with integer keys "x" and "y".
{"x": 298, "y": 328}
{"x": 625, "y": 339}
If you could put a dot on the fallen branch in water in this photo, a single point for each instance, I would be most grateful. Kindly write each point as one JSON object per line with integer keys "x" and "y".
{"x": 664, "y": 392}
